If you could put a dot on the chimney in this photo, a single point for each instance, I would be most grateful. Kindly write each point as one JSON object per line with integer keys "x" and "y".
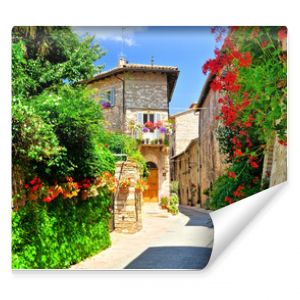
{"x": 122, "y": 61}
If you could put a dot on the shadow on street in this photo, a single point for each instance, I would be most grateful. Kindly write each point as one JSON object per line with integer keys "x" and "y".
{"x": 172, "y": 257}
{"x": 196, "y": 218}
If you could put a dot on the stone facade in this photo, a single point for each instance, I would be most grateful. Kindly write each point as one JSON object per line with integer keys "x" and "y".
{"x": 186, "y": 129}
{"x": 114, "y": 116}
{"x": 139, "y": 91}
{"x": 279, "y": 164}
{"x": 210, "y": 159}
{"x": 187, "y": 173}
{"x": 127, "y": 204}
{"x": 160, "y": 156}
{"x": 146, "y": 91}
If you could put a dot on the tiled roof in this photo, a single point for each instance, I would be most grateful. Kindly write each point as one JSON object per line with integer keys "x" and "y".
{"x": 133, "y": 67}
{"x": 172, "y": 74}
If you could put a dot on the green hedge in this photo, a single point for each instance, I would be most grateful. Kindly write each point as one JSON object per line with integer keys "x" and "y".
{"x": 61, "y": 233}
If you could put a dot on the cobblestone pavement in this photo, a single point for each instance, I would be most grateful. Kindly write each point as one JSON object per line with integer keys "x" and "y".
{"x": 165, "y": 242}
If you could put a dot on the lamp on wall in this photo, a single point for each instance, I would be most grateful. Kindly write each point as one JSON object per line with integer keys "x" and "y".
{"x": 164, "y": 172}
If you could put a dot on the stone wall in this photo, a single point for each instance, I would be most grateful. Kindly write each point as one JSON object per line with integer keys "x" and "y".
{"x": 279, "y": 164}
{"x": 142, "y": 91}
{"x": 128, "y": 204}
{"x": 114, "y": 116}
{"x": 210, "y": 159}
{"x": 187, "y": 172}
{"x": 146, "y": 90}
{"x": 159, "y": 154}
{"x": 186, "y": 129}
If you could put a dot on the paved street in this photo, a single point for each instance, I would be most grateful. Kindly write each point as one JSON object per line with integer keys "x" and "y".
{"x": 165, "y": 242}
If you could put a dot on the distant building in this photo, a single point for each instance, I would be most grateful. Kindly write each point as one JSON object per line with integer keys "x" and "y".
{"x": 135, "y": 94}
{"x": 186, "y": 129}
{"x": 187, "y": 173}
{"x": 196, "y": 161}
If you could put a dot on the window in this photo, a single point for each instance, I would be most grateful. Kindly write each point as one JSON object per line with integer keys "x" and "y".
{"x": 142, "y": 118}
{"x": 107, "y": 98}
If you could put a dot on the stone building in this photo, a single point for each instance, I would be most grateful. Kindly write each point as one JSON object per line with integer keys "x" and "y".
{"x": 186, "y": 129}
{"x": 187, "y": 173}
{"x": 210, "y": 159}
{"x": 132, "y": 95}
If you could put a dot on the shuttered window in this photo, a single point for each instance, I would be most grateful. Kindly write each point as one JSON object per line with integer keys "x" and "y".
{"x": 108, "y": 96}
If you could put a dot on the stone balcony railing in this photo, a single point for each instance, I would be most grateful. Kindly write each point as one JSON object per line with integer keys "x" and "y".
{"x": 151, "y": 138}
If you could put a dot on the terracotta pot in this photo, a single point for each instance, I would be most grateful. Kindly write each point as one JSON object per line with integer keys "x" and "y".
{"x": 84, "y": 195}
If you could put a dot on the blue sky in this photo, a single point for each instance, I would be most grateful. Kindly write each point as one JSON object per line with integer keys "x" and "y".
{"x": 184, "y": 47}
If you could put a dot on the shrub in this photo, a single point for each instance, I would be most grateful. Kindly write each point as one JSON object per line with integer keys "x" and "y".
{"x": 164, "y": 201}
{"x": 77, "y": 122}
{"x": 173, "y": 204}
{"x": 60, "y": 233}
{"x": 119, "y": 143}
{"x": 174, "y": 187}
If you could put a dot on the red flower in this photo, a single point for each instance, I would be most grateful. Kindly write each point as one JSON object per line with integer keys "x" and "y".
{"x": 254, "y": 165}
{"x": 231, "y": 174}
{"x": 26, "y": 186}
{"x": 149, "y": 125}
{"x": 238, "y": 152}
{"x": 245, "y": 60}
{"x": 282, "y": 142}
{"x": 228, "y": 199}
{"x": 237, "y": 192}
{"x": 216, "y": 85}
{"x": 255, "y": 179}
{"x": 243, "y": 132}
{"x": 47, "y": 199}
{"x": 264, "y": 44}
{"x": 282, "y": 33}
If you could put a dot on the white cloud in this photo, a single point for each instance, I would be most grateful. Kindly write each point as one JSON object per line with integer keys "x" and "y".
{"x": 115, "y": 33}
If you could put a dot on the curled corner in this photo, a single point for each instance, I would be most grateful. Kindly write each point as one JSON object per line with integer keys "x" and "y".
{"x": 231, "y": 220}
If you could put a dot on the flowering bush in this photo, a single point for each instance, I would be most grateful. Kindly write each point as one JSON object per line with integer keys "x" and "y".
{"x": 141, "y": 185}
{"x": 124, "y": 184}
{"x": 249, "y": 73}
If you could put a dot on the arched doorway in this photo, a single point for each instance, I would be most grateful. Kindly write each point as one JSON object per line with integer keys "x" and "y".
{"x": 151, "y": 195}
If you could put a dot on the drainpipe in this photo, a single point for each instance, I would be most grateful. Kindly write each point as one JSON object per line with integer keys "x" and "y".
{"x": 123, "y": 102}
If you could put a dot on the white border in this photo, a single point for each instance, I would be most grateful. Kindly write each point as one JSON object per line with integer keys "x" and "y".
{"x": 262, "y": 262}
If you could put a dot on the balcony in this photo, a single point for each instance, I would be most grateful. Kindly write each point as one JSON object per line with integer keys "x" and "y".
{"x": 151, "y": 134}
{"x": 153, "y": 138}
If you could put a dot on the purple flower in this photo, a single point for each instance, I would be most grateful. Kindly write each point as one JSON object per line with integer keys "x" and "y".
{"x": 105, "y": 104}
{"x": 145, "y": 129}
{"x": 162, "y": 129}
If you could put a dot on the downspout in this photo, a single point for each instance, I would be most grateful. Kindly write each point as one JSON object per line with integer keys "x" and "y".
{"x": 123, "y": 102}
{"x": 199, "y": 157}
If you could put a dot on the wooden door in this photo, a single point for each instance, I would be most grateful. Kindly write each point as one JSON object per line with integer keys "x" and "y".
{"x": 151, "y": 195}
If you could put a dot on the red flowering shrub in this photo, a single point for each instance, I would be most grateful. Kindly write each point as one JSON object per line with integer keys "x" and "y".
{"x": 252, "y": 84}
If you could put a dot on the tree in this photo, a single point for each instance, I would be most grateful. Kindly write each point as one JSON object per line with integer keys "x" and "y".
{"x": 45, "y": 57}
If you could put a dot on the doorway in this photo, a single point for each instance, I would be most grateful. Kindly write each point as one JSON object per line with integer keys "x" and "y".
{"x": 151, "y": 195}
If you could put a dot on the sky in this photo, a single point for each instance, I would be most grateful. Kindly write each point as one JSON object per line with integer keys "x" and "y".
{"x": 187, "y": 48}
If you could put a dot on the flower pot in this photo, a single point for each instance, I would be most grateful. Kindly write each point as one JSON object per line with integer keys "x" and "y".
{"x": 84, "y": 195}
{"x": 124, "y": 190}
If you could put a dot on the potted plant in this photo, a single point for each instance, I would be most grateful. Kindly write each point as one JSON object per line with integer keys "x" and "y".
{"x": 124, "y": 184}
{"x": 164, "y": 202}
{"x": 173, "y": 204}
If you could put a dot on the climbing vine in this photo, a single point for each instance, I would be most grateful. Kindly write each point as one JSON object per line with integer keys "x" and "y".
{"x": 249, "y": 73}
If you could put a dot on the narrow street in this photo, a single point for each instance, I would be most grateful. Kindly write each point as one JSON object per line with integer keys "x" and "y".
{"x": 166, "y": 242}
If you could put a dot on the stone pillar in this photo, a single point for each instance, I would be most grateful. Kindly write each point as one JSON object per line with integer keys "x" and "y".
{"x": 127, "y": 203}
